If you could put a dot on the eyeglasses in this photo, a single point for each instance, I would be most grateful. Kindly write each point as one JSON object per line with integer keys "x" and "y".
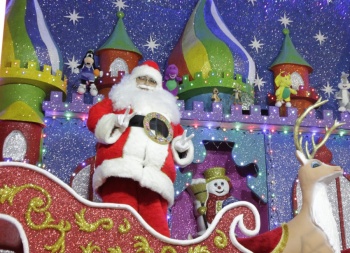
{"x": 146, "y": 80}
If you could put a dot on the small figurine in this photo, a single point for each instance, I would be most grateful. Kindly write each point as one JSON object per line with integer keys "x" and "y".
{"x": 283, "y": 82}
{"x": 88, "y": 74}
{"x": 218, "y": 187}
{"x": 171, "y": 79}
{"x": 343, "y": 94}
{"x": 236, "y": 96}
{"x": 215, "y": 97}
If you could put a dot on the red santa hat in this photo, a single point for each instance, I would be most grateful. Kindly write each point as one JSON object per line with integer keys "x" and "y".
{"x": 151, "y": 69}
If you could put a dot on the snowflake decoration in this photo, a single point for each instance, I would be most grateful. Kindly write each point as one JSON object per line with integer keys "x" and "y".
{"x": 73, "y": 65}
{"x": 285, "y": 21}
{"x": 320, "y": 37}
{"x": 256, "y": 44}
{"x": 120, "y": 4}
{"x": 259, "y": 82}
{"x": 73, "y": 16}
{"x": 329, "y": 1}
{"x": 328, "y": 89}
{"x": 252, "y": 1}
{"x": 151, "y": 44}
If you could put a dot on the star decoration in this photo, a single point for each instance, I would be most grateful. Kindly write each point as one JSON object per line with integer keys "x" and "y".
{"x": 73, "y": 65}
{"x": 151, "y": 44}
{"x": 120, "y": 4}
{"x": 285, "y": 21}
{"x": 256, "y": 44}
{"x": 252, "y": 1}
{"x": 320, "y": 37}
{"x": 259, "y": 82}
{"x": 328, "y": 89}
{"x": 74, "y": 17}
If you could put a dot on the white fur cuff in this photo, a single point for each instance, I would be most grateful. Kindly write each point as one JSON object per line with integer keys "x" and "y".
{"x": 182, "y": 162}
{"x": 105, "y": 131}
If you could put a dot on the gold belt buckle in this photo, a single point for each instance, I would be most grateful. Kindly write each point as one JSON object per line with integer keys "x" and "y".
{"x": 157, "y": 137}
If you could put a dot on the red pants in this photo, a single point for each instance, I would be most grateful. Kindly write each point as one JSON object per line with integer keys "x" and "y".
{"x": 149, "y": 204}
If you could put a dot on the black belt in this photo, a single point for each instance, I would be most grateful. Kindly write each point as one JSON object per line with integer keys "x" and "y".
{"x": 157, "y": 125}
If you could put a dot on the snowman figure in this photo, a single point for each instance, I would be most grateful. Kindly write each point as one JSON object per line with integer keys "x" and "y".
{"x": 218, "y": 187}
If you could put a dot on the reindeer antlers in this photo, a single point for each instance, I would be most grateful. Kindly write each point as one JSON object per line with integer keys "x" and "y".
{"x": 298, "y": 142}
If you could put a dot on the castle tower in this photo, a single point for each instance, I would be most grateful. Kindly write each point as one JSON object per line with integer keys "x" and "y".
{"x": 208, "y": 56}
{"x": 290, "y": 61}
{"x": 30, "y": 69}
{"x": 117, "y": 56}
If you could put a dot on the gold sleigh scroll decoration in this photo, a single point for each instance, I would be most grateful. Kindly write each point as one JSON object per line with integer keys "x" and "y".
{"x": 142, "y": 245}
{"x": 106, "y": 223}
{"x": 90, "y": 248}
{"x": 123, "y": 229}
{"x": 199, "y": 249}
{"x": 220, "y": 241}
{"x": 38, "y": 205}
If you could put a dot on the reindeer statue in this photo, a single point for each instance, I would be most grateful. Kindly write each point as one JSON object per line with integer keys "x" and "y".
{"x": 314, "y": 229}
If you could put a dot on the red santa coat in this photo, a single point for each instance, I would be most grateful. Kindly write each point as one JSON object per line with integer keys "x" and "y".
{"x": 132, "y": 154}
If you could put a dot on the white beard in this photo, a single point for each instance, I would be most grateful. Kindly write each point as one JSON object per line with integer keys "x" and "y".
{"x": 142, "y": 101}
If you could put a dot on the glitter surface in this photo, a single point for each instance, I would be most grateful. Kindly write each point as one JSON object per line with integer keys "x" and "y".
{"x": 67, "y": 142}
{"x": 15, "y": 146}
{"x": 58, "y": 217}
{"x": 164, "y": 21}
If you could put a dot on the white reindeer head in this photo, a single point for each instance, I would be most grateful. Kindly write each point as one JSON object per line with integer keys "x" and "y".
{"x": 312, "y": 169}
{"x": 314, "y": 176}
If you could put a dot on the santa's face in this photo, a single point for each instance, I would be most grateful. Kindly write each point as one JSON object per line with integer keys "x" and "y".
{"x": 218, "y": 187}
{"x": 146, "y": 82}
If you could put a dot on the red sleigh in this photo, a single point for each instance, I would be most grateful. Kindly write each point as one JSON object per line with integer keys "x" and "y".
{"x": 40, "y": 213}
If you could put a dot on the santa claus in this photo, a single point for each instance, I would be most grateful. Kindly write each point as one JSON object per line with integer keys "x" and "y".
{"x": 140, "y": 140}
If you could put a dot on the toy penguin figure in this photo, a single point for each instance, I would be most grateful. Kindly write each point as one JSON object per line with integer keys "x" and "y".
{"x": 284, "y": 82}
{"x": 88, "y": 74}
{"x": 215, "y": 97}
{"x": 218, "y": 187}
{"x": 171, "y": 79}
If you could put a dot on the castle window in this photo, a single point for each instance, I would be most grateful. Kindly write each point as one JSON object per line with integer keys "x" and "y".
{"x": 118, "y": 65}
{"x": 15, "y": 146}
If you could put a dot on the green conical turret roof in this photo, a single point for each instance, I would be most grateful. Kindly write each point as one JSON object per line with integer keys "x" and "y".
{"x": 119, "y": 39}
{"x": 289, "y": 54}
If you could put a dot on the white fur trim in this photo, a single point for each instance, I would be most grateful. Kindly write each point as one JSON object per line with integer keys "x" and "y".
{"x": 142, "y": 161}
{"x": 145, "y": 70}
{"x": 158, "y": 182}
{"x": 148, "y": 177}
{"x": 118, "y": 167}
{"x": 182, "y": 162}
{"x": 104, "y": 128}
{"x": 143, "y": 102}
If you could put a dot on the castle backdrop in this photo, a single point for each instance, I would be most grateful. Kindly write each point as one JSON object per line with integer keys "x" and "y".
{"x": 262, "y": 134}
